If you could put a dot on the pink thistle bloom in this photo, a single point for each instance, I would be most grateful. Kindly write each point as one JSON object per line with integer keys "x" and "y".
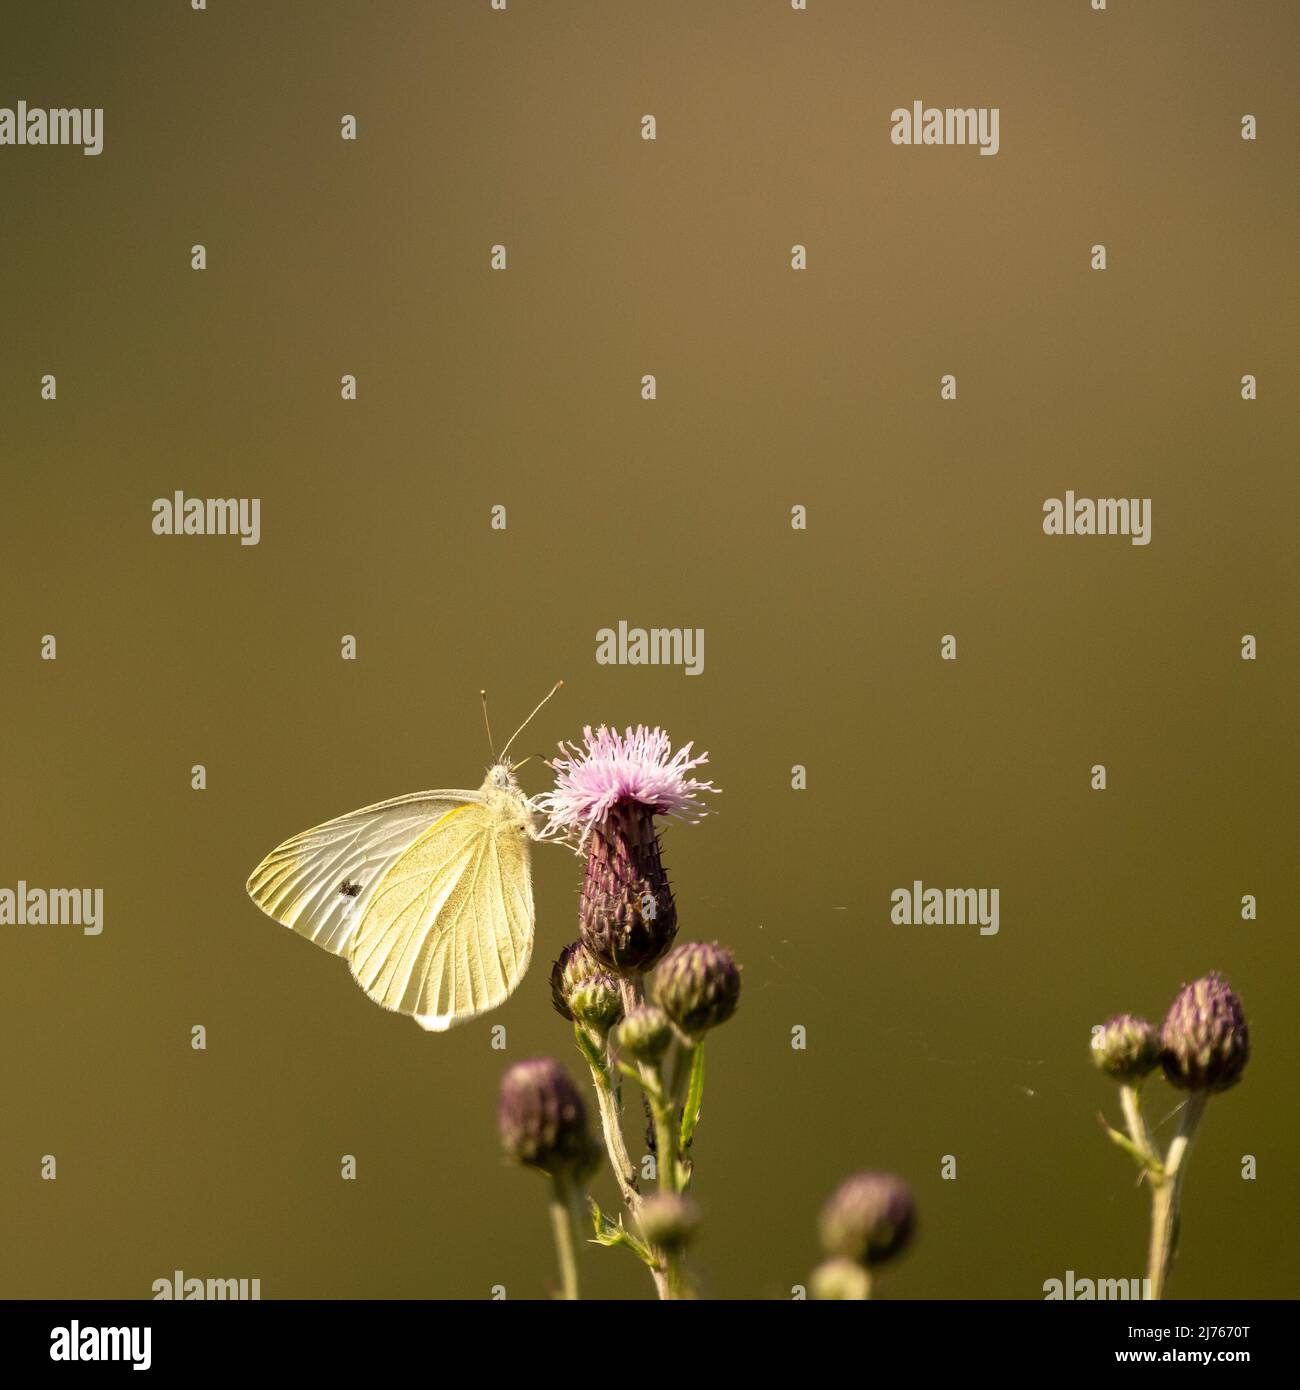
{"x": 637, "y": 767}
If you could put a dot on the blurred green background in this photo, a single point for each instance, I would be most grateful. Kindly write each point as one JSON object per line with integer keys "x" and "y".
{"x": 822, "y": 648}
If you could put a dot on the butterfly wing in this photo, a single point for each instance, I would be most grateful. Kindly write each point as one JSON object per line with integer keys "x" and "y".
{"x": 321, "y": 882}
{"x": 448, "y": 933}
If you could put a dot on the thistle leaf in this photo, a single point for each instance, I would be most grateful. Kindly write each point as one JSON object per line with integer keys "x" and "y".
{"x": 615, "y": 1233}
{"x": 1130, "y": 1148}
{"x": 694, "y": 1098}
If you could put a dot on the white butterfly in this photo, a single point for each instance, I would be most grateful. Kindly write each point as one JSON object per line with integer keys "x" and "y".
{"x": 428, "y": 897}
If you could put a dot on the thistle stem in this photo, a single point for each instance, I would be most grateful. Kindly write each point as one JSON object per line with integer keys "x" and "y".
{"x": 611, "y": 1122}
{"x": 661, "y": 1106}
{"x": 668, "y": 1278}
{"x": 564, "y": 1225}
{"x": 596, "y": 1053}
{"x": 1166, "y": 1190}
{"x": 1130, "y": 1099}
{"x": 665, "y": 1138}
{"x": 677, "y": 1286}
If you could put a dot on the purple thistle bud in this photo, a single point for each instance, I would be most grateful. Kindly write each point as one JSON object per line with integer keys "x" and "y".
{"x": 645, "y": 1034}
{"x": 1127, "y": 1048}
{"x": 627, "y": 913}
{"x": 542, "y": 1118}
{"x": 698, "y": 987}
{"x": 669, "y": 1221}
{"x": 1205, "y": 1038}
{"x": 869, "y": 1218}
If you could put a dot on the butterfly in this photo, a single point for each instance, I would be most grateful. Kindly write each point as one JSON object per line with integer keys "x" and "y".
{"x": 428, "y": 897}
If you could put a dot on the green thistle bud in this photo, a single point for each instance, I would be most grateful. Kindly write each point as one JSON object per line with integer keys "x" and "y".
{"x": 669, "y": 1221}
{"x": 575, "y": 966}
{"x": 543, "y": 1120}
{"x": 1205, "y": 1038}
{"x": 698, "y": 987}
{"x": 645, "y": 1034}
{"x": 597, "y": 1004}
{"x": 837, "y": 1280}
{"x": 869, "y": 1218}
{"x": 1127, "y": 1048}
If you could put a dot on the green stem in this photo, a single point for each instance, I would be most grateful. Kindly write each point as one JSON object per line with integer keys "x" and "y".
{"x": 1130, "y": 1100}
{"x": 675, "y": 1277}
{"x": 661, "y": 1106}
{"x": 1166, "y": 1191}
{"x": 665, "y": 1138}
{"x": 611, "y": 1122}
{"x": 565, "y": 1200}
{"x": 669, "y": 1280}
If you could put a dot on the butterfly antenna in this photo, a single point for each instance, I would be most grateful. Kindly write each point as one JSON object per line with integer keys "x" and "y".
{"x": 529, "y": 720}
{"x": 487, "y": 723}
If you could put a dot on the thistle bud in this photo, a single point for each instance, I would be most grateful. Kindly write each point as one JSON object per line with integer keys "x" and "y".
{"x": 627, "y": 913}
{"x": 1205, "y": 1039}
{"x": 698, "y": 987}
{"x": 575, "y": 966}
{"x": 645, "y": 1034}
{"x": 838, "y": 1280}
{"x": 542, "y": 1118}
{"x": 1127, "y": 1048}
{"x": 868, "y": 1219}
{"x": 597, "y": 1004}
{"x": 669, "y": 1221}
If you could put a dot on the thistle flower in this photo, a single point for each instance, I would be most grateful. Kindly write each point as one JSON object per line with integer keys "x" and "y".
{"x": 1205, "y": 1038}
{"x": 637, "y": 767}
{"x": 606, "y": 796}
{"x": 543, "y": 1120}
{"x": 698, "y": 987}
{"x": 869, "y": 1218}
{"x": 669, "y": 1221}
{"x": 1127, "y": 1048}
{"x": 645, "y": 1034}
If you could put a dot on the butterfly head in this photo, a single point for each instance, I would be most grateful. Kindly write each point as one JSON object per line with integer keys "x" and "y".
{"x": 507, "y": 799}
{"x": 501, "y": 776}
{"x": 500, "y": 785}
